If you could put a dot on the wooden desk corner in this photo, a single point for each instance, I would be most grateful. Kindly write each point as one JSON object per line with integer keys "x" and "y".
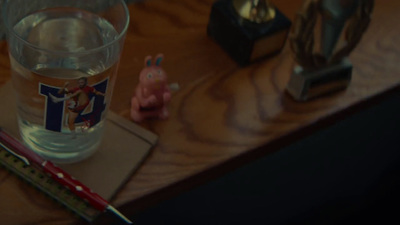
{"x": 223, "y": 115}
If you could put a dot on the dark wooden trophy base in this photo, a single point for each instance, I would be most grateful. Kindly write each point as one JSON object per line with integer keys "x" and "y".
{"x": 243, "y": 40}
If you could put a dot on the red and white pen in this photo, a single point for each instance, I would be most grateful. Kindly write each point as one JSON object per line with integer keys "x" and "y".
{"x": 16, "y": 148}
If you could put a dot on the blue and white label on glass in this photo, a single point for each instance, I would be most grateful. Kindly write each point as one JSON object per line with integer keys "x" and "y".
{"x": 72, "y": 104}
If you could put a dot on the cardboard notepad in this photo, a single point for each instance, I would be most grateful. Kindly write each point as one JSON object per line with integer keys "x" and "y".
{"x": 124, "y": 146}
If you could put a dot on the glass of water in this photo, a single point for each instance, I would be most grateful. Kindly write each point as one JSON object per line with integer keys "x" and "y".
{"x": 64, "y": 57}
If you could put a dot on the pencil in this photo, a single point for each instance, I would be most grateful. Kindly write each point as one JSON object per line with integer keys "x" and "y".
{"x": 15, "y": 147}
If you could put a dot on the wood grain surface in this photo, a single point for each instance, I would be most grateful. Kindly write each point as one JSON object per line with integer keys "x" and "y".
{"x": 223, "y": 115}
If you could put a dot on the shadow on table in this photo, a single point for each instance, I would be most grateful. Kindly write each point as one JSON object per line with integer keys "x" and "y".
{"x": 348, "y": 173}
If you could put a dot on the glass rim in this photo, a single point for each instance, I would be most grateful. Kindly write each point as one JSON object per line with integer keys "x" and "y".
{"x": 10, "y": 31}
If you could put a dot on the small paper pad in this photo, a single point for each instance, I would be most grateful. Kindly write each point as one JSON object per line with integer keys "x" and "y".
{"x": 124, "y": 146}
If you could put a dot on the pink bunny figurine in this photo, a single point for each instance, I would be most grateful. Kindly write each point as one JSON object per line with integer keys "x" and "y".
{"x": 152, "y": 93}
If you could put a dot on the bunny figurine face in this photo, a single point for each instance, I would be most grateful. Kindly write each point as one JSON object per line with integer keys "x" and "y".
{"x": 152, "y": 94}
{"x": 152, "y": 76}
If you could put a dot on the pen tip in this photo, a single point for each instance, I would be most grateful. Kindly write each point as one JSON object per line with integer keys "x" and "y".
{"x": 119, "y": 214}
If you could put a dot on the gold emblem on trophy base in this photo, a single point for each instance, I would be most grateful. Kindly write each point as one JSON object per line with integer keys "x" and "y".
{"x": 257, "y": 11}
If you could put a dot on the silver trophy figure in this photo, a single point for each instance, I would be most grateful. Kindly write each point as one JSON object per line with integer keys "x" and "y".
{"x": 328, "y": 69}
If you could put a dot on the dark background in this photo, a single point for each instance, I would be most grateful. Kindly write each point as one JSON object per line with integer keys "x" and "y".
{"x": 348, "y": 173}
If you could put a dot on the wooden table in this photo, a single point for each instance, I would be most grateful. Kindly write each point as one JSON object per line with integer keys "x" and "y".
{"x": 223, "y": 115}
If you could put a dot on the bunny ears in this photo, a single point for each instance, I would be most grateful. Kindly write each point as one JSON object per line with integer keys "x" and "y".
{"x": 159, "y": 58}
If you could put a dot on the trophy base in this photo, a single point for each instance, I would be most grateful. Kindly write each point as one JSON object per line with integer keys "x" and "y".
{"x": 304, "y": 85}
{"x": 243, "y": 40}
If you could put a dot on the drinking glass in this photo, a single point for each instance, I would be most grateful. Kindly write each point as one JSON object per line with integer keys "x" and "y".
{"x": 64, "y": 57}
